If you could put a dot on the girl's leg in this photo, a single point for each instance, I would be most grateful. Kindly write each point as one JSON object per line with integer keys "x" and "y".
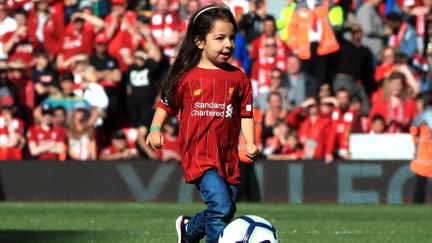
{"x": 219, "y": 197}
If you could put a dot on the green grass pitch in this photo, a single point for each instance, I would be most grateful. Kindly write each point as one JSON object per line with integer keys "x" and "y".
{"x": 154, "y": 222}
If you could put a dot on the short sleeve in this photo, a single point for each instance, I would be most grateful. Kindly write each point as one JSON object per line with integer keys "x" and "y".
{"x": 163, "y": 103}
{"x": 246, "y": 101}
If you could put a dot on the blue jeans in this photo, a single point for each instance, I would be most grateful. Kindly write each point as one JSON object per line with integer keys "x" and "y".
{"x": 220, "y": 198}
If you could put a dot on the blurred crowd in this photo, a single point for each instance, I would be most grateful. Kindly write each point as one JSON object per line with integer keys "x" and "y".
{"x": 79, "y": 79}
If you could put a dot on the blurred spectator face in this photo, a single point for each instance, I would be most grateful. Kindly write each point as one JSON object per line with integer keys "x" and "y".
{"x": 192, "y": 6}
{"x": 395, "y": 87}
{"x": 388, "y": 56}
{"x": 3, "y": 12}
{"x": 292, "y": 141}
{"x": 138, "y": 58}
{"x": 326, "y": 108}
{"x": 343, "y": 98}
{"x": 169, "y": 129}
{"x": 276, "y": 78}
{"x": 67, "y": 87}
{"x": 119, "y": 144}
{"x": 78, "y": 24}
{"x": 427, "y": 3}
{"x": 378, "y": 126}
{"x": 375, "y": 2}
{"x": 41, "y": 61}
{"x": 269, "y": 28}
{"x": 118, "y": 9}
{"x": 274, "y": 102}
{"x": 42, "y": 5}
{"x": 162, "y": 6}
{"x": 16, "y": 73}
{"x": 356, "y": 104}
{"x": 6, "y": 111}
{"x": 79, "y": 116}
{"x": 356, "y": 33}
{"x": 270, "y": 47}
{"x": 293, "y": 65}
{"x": 324, "y": 91}
{"x": 100, "y": 48}
{"x": 21, "y": 19}
{"x": 47, "y": 119}
{"x": 59, "y": 117}
{"x": 313, "y": 109}
{"x": 281, "y": 130}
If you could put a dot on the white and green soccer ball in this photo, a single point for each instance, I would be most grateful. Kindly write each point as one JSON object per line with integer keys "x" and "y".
{"x": 249, "y": 229}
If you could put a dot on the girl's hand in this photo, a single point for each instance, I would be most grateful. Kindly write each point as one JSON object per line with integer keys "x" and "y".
{"x": 155, "y": 140}
{"x": 252, "y": 151}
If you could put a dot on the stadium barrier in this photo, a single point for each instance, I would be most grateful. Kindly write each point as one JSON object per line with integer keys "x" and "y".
{"x": 147, "y": 181}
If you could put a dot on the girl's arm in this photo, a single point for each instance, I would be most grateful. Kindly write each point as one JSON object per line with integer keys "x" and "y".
{"x": 248, "y": 130}
{"x": 155, "y": 138}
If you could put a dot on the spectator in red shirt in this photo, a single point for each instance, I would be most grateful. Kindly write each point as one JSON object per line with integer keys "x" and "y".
{"x": 384, "y": 69}
{"x": 12, "y": 138}
{"x": 258, "y": 50}
{"x": 165, "y": 28}
{"x": 77, "y": 40}
{"x": 7, "y": 24}
{"x": 290, "y": 148}
{"x": 20, "y": 44}
{"x": 18, "y": 76}
{"x": 118, "y": 149}
{"x": 46, "y": 141}
{"x": 81, "y": 137}
{"x": 145, "y": 39}
{"x": 345, "y": 122}
{"x": 121, "y": 31}
{"x": 92, "y": 23}
{"x": 171, "y": 148}
{"x": 314, "y": 130}
{"x": 262, "y": 67}
{"x": 46, "y": 21}
{"x": 396, "y": 105}
{"x": 275, "y": 111}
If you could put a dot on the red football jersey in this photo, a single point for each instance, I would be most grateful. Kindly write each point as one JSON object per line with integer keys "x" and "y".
{"x": 211, "y": 105}
{"x": 23, "y": 48}
{"x": 40, "y": 136}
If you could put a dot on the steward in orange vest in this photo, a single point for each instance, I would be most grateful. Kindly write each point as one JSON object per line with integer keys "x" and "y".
{"x": 421, "y": 165}
{"x": 422, "y": 162}
{"x": 305, "y": 19}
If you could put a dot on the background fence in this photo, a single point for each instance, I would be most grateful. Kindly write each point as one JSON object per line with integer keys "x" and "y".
{"x": 142, "y": 180}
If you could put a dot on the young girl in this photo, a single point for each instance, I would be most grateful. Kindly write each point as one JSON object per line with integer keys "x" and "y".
{"x": 214, "y": 100}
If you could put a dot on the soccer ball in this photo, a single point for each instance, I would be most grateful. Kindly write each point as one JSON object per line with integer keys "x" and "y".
{"x": 249, "y": 229}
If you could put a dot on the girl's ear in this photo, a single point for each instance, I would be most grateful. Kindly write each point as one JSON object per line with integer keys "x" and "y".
{"x": 199, "y": 43}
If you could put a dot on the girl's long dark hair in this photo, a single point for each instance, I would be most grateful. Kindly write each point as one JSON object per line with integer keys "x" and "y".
{"x": 189, "y": 55}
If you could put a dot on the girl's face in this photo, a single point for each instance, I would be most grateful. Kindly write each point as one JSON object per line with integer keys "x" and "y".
{"x": 218, "y": 45}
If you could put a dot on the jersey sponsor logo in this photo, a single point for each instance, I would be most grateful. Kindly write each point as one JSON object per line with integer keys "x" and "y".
{"x": 212, "y": 109}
